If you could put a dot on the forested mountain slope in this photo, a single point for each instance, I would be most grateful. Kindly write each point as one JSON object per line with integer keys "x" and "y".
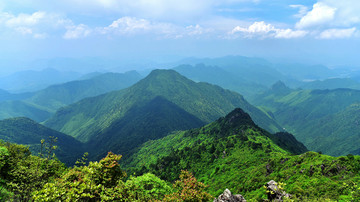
{"x": 233, "y": 152}
{"x": 324, "y": 120}
{"x": 90, "y": 117}
{"x": 28, "y": 132}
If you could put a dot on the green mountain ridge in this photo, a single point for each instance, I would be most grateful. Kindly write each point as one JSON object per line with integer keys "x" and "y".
{"x": 56, "y": 96}
{"x": 40, "y": 105}
{"x": 25, "y": 131}
{"x": 321, "y": 119}
{"x": 92, "y": 116}
{"x": 233, "y": 152}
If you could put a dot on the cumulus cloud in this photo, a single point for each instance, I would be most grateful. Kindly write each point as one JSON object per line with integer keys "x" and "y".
{"x": 41, "y": 24}
{"x": 26, "y": 19}
{"x": 130, "y": 26}
{"x": 302, "y": 10}
{"x": 289, "y": 33}
{"x": 331, "y": 19}
{"x": 193, "y": 30}
{"x": 263, "y": 30}
{"x": 75, "y": 32}
{"x": 319, "y": 15}
{"x": 337, "y": 33}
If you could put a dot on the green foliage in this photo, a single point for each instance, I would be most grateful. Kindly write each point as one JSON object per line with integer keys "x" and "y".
{"x": 23, "y": 173}
{"x": 28, "y": 132}
{"x": 97, "y": 181}
{"x": 148, "y": 187}
{"x": 187, "y": 188}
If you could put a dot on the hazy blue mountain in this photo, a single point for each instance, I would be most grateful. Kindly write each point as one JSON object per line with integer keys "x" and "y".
{"x": 332, "y": 84}
{"x": 221, "y": 77}
{"x": 56, "y": 96}
{"x": 304, "y": 72}
{"x": 250, "y": 70}
{"x": 18, "y": 108}
{"x": 30, "y": 81}
{"x": 5, "y": 95}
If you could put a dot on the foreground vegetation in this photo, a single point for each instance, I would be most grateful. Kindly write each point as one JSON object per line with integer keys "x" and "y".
{"x": 232, "y": 152}
{"x": 25, "y": 177}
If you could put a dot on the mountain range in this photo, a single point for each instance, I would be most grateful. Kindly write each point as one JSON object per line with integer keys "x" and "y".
{"x": 113, "y": 116}
{"x": 324, "y": 120}
{"x": 40, "y": 105}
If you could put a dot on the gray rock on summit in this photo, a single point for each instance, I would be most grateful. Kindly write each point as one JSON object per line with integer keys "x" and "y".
{"x": 228, "y": 197}
{"x": 274, "y": 192}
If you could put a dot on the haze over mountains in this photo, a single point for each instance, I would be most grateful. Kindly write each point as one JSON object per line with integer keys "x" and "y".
{"x": 194, "y": 116}
{"x": 252, "y": 77}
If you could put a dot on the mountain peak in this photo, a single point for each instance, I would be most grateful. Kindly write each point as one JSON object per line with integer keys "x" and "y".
{"x": 238, "y": 117}
{"x": 280, "y": 87}
{"x": 162, "y": 71}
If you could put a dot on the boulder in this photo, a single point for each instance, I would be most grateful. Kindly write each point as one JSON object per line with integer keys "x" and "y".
{"x": 275, "y": 192}
{"x": 228, "y": 197}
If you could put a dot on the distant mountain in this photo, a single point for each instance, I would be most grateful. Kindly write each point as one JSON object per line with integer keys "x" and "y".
{"x": 333, "y": 83}
{"x": 91, "y": 117}
{"x": 40, "y": 105}
{"x": 336, "y": 134}
{"x": 56, "y": 96}
{"x": 233, "y": 152}
{"x": 6, "y": 96}
{"x": 250, "y": 70}
{"x": 18, "y": 108}
{"x": 30, "y": 81}
{"x": 304, "y": 72}
{"x": 28, "y": 132}
{"x": 219, "y": 76}
{"x": 318, "y": 118}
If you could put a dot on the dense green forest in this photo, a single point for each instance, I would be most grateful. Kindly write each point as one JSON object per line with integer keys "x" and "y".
{"x": 235, "y": 153}
{"x": 194, "y": 165}
{"x": 324, "y": 120}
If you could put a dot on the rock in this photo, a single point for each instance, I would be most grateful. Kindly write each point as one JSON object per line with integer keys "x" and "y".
{"x": 274, "y": 192}
{"x": 228, "y": 197}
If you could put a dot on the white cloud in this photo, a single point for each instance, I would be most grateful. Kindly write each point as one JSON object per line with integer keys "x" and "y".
{"x": 135, "y": 26}
{"x": 41, "y": 24}
{"x": 26, "y": 19}
{"x": 319, "y": 15}
{"x": 337, "y": 33}
{"x": 302, "y": 10}
{"x": 263, "y": 30}
{"x": 289, "y": 33}
{"x": 75, "y": 32}
{"x": 24, "y": 30}
{"x": 193, "y": 30}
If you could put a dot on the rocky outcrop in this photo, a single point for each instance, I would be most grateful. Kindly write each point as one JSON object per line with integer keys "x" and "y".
{"x": 275, "y": 191}
{"x": 228, "y": 197}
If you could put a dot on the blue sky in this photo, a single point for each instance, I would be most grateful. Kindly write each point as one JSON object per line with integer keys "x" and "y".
{"x": 309, "y": 31}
